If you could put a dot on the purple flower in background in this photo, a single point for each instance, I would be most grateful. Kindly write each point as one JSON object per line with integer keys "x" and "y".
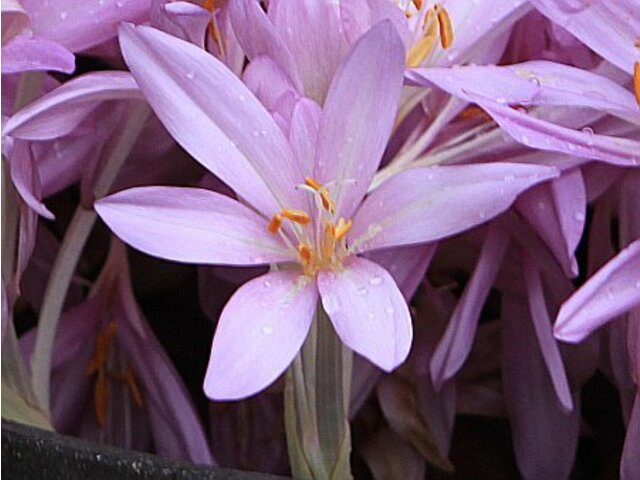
{"x": 112, "y": 380}
{"x": 310, "y": 215}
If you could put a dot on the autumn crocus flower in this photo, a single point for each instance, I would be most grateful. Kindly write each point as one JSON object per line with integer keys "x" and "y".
{"x": 308, "y": 215}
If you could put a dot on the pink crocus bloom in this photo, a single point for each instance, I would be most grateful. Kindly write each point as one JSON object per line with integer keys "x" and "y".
{"x": 309, "y": 216}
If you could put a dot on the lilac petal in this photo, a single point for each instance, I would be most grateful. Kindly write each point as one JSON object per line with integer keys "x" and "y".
{"x": 368, "y": 311}
{"x": 268, "y": 81}
{"x": 533, "y": 83}
{"x": 358, "y": 115}
{"x": 557, "y": 210}
{"x": 183, "y": 20}
{"x": 544, "y": 437}
{"x": 542, "y": 327}
{"x": 313, "y": 32}
{"x": 24, "y": 175}
{"x": 456, "y": 343}
{"x": 612, "y": 290}
{"x": 24, "y": 54}
{"x": 608, "y": 28}
{"x": 258, "y": 36}
{"x": 537, "y": 133}
{"x": 407, "y": 265}
{"x": 72, "y": 23}
{"x": 58, "y": 112}
{"x": 211, "y": 113}
{"x": 425, "y": 204}
{"x": 260, "y": 331}
{"x": 303, "y": 132}
{"x": 191, "y": 225}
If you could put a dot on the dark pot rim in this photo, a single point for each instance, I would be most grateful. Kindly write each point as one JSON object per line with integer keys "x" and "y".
{"x": 33, "y": 453}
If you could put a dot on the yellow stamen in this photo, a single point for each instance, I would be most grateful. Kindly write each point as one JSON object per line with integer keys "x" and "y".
{"x": 636, "y": 81}
{"x": 297, "y": 216}
{"x": 423, "y": 47}
{"x": 446, "y": 27}
{"x": 329, "y": 243}
{"x": 342, "y": 228}
{"x": 275, "y": 223}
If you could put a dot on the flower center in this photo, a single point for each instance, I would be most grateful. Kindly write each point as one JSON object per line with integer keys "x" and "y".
{"x": 99, "y": 365}
{"x": 321, "y": 242}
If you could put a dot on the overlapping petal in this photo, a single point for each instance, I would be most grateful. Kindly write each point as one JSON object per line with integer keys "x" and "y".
{"x": 368, "y": 311}
{"x": 214, "y": 117}
{"x": 72, "y": 23}
{"x": 259, "y": 333}
{"x": 25, "y": 54}
{"x": 612, "y": 290}
{"x": 456, "y": 343}
{"x": 425, "y": 204}
{"x": 191, "y": 225}
{"x": 58, "y": 112}
{"x": 358, "y": 115}
{"x": 609, "y": 28}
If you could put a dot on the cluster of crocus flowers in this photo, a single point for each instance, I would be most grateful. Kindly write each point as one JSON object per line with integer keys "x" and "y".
{"x": 448, "y": 190}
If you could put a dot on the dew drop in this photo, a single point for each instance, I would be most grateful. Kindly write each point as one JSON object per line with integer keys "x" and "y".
{"x": 266, "y": 283}
{"x": 579, "y": 216}
{"x": 63, "y": 15}
{"x": 482, "y": 214}
{"x": 191, "y": 74}
{"x": 535, "y": 81}
{"x": 375, "y": 280}
{"x": 501, "y": 100}
{"x": 242, "y": 98}
{"x": 266, "y": 329}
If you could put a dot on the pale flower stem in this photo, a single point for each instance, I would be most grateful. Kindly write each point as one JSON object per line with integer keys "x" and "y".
{"x": 316, "y": 405}
{"x": 70, "y": 250}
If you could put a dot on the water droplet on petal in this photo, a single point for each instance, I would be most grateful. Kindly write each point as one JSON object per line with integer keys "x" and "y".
{"x": 191, "y": 74}
{"x": 266, "y": 283}
{"x": 535, "y": 81}
{"x": 579, "y": 216}
{"x": 63, "y": 15}
{"x": 242, "y": 98}
{"x": 266, "y": 329}
{"x": 375, "y": 280}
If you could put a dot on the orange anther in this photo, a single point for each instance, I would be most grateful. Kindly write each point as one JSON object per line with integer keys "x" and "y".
{"x": 275, "y": 223}
{"x": 636, "y": 81}
{"x": 313, "y": 183}
{"x": 327, "y": 203}
{"x": 446, "y": 27}
{"x": 297, "y": 216}
{"x": 305, "y": 253}
{"x": 418, "y": 3}
{"x": 130, "y": 380}
{"x": 342, "y": 228}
